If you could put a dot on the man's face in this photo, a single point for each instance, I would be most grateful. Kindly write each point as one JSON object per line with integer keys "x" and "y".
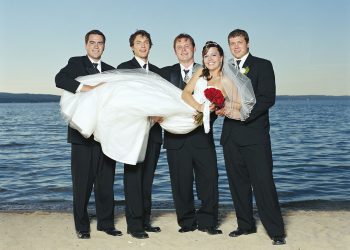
{"x": 141, "y": 47}
{"x": 184, "y": 50}
{"x": 95, "y": 46}
{"x": 238, "y": 46}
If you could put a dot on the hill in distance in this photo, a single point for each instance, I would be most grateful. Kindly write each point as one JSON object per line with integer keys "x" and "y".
{"x": 27, "y": 98}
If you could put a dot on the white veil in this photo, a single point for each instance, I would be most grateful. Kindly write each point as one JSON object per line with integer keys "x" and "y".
{"x": 239, "y": 91}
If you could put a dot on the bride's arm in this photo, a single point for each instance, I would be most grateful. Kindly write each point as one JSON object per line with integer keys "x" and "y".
{"x": 188, "y": 91}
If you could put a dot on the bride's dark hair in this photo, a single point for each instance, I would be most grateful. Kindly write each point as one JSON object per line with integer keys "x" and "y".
{"x": 207, "y": 46}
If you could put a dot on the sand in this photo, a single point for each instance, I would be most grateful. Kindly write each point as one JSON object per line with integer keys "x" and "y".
{"x": 307, "y": 230}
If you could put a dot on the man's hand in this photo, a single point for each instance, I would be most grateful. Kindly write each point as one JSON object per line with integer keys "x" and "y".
{"x": 220, "y": 112}
{"x": 232, "y": 114}
{"x": 87, "y": 88}
{"x": 158, "y": 119}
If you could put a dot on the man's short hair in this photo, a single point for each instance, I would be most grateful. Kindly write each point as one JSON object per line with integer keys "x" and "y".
{"x": 186, "y": 36}
{"x": 238, "y": 32}
{"x": 94, "y": 32}
{"x": 142, "y": 33}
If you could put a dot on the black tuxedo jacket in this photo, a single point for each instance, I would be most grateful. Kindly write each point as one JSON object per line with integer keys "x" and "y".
{"x": 198, "y": 137}
{"x": 156, "y": 132}
{"x": 65, "y": 79}
{"x": 255, "y": 130}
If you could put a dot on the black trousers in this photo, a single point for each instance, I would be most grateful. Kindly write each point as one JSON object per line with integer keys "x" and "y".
{"x": 186, "y": 165}
{"x": 92, "y": 169}
{"x": 138, "y": 180}
{"x": 249, "y": 168}
{"x": 148, "y": 170}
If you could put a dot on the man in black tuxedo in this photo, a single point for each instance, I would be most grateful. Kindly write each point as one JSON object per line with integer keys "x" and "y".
{"x": 138, "y": 179}
{"x": 247, "y": 147}
{"x": 191, "y": 156}
{"x": 89, "y": 166}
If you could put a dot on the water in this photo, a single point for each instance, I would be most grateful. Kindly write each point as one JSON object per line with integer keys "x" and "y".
{"x": 310, "y": 140}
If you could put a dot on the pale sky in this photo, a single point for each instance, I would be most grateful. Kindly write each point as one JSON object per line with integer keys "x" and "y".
{"x": 307, "y": 41}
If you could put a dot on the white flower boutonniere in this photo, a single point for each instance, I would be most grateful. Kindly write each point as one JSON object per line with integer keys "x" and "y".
{"x": 245, "y": 70}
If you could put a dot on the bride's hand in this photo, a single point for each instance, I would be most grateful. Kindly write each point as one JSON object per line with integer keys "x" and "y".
{"x": 212, "y": 107}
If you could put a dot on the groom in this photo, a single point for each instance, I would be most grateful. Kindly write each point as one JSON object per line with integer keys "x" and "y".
{"x": 191, "y": 156}
{"x": 138, "y": 179}
{"x": 247, "y": 148}
{"x": 90, "y": 167}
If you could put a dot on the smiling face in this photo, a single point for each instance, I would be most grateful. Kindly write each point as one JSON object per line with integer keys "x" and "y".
{"x": 238, "y": 46}
{"x": 141, "y": 47}
{"x": 95, "y": 46}
{"x": 184, "y": 50}
{"x": 212, "y": 59}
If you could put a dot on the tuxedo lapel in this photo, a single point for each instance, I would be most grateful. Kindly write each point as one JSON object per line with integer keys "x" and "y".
{"x": 176, "y": 77}
{"x": 103, "y": 67}
{"x": 152, "y": 68}
{"x": 248, "y": 63}
{"x": 135, "y": 63}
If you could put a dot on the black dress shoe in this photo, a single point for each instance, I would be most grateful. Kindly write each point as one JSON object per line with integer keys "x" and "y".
{"x": 83, "y": 234}
{"x": 139, "y": 234}
{"x": 211, "y": 230}
{"x": 278, "y": 240}
{"x": 149, "y": 228}
{"x": 187, "y": 229}
{"x": 239, "y": 232}
{"x": 111, "y": 231}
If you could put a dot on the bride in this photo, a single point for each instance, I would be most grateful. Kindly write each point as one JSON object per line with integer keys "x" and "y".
{"x": 118, "y": 112}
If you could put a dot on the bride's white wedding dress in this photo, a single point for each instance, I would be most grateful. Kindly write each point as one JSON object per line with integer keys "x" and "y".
{"x": 117, "y": 112}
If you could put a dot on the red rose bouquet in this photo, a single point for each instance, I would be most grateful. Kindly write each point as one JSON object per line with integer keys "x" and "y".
{"x": 216, "y": 97}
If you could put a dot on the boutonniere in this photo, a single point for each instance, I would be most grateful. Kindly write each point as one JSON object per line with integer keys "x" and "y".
{"x": 245, "y": 70}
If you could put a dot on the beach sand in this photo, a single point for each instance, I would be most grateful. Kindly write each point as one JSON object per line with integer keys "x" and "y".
{"x": 306, "y": 230}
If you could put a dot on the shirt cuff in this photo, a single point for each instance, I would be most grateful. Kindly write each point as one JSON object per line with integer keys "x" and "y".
{"x": 79, "y": 88}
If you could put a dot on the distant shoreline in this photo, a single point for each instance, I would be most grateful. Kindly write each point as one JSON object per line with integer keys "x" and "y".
{"x": 38, "y": 98}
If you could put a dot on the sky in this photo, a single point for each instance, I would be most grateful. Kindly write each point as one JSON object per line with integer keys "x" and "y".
{"x": 307, "y": 41}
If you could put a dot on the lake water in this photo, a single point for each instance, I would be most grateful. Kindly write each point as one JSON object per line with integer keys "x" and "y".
{"x": 310, "y": 143}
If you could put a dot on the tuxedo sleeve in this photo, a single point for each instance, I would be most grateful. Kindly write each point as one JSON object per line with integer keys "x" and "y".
{"x": 65, "y": 79}
{"x": 165, "y": 73}
{"x": 265, "y": 93}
